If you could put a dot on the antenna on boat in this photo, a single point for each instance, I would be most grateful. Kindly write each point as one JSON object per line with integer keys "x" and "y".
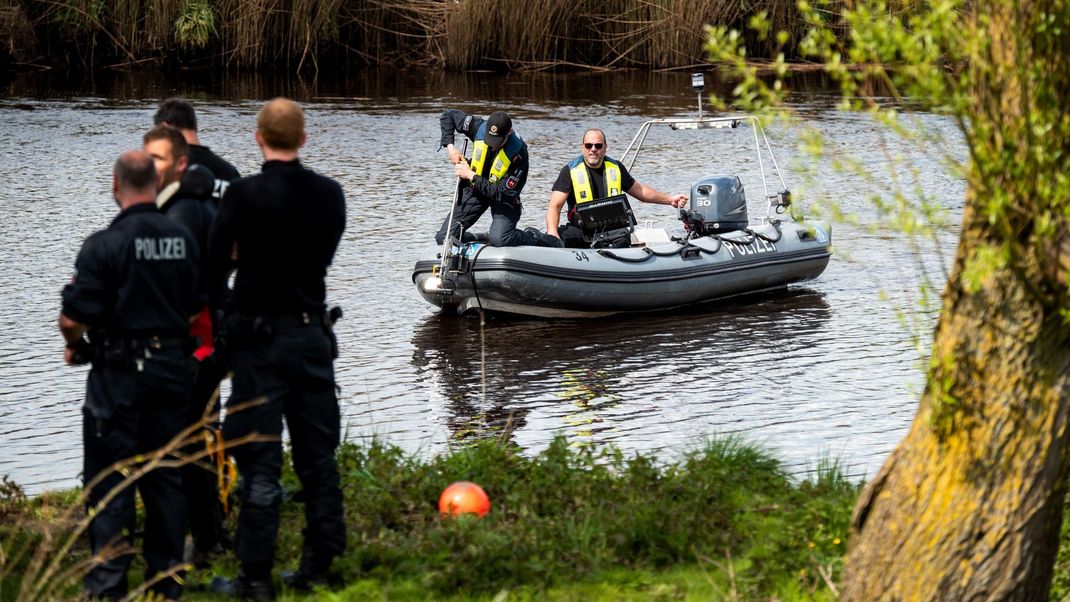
{"x": 698, "y": 84}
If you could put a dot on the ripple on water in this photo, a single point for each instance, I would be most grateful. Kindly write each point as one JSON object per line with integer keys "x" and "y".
{"x": 823, "y": 370}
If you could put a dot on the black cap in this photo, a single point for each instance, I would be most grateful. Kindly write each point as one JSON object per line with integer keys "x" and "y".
{"x": 498, "y": 127}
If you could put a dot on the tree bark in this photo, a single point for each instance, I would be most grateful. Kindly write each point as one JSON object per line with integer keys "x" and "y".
{"x": 968, "y": 507}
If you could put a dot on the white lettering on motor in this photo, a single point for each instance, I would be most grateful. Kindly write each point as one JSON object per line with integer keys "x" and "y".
{"x": 159, "y": 249}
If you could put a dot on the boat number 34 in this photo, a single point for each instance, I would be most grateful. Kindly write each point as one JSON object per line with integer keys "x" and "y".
{"x": 581, "y": 256}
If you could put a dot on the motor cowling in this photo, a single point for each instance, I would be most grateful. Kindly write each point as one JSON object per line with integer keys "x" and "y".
{"x": 718, "y": 204}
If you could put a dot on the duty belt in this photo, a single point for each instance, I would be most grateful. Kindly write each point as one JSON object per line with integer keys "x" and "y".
{"x": 302, "y": 319}
{"x": 155, "y": 342}
{"x": 305, "y": 318}
{"x": 258, "y": 324}
{"x": 151, "y": 342}
{"x": 124, "y": 351}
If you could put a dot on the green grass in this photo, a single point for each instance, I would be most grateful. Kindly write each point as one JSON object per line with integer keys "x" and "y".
{"x": 680, "y": 583}
{"x": 723, "y": 522}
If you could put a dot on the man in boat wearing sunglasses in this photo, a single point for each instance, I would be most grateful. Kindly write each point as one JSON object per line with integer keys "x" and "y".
{"x": 590, "y": 177}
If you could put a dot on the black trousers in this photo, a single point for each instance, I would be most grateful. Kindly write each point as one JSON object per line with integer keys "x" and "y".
{"x": 503, "y": 231}
{"x": 572, "y": 236}
{"x": 205, "y": 511}
{"x": 130, "y": 412}
{"x": 292, "y": 369}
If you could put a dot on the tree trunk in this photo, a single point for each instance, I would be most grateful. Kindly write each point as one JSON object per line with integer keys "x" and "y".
{"x": 968, "y": 507}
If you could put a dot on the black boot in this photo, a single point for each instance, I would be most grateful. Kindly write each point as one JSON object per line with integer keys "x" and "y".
{"x": 301, "y": 581}
{"x": 201, "y": 558}
{"x": 309, "y": 574}
{"x": 542, "y": 239}
{"x": 243, "y": 588}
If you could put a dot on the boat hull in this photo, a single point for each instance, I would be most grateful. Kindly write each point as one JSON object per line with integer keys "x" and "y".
{"x": 544, "y": 282}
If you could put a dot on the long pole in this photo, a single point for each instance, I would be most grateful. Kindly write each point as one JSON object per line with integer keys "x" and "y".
{"x": 449, "y": 222}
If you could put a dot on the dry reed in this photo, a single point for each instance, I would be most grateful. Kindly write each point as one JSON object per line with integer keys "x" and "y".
{"x": 614, "y": 33}
{"x": 160, "y": 16}
{"x": 460, "y": 34}
{"x": 50, "y": 570}
{"x": 16, "y": 30}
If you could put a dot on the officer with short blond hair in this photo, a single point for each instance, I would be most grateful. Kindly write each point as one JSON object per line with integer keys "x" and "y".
{"x": 279, "y": 229}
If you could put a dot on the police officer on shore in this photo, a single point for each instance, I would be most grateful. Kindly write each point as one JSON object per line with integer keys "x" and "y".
{"x": 127, "y": 311}
{"x": 494, "y": 178}
{"x": 280, "y": 229}
{"x": 184, "y": 194}
{"x": 178, "y": 113}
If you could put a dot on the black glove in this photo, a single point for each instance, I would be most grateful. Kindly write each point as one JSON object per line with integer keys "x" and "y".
{"x": 83, "y": 352}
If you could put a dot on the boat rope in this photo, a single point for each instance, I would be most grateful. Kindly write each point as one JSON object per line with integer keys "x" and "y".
{"x": 776, "y": 226}
{"x": 717, "y": 239}
{"x": 753, "y": 234}
{"x": 671, "y": 253}
{"x": 612, "y": 255}
{"x": 687, "y": 248}
{"x": 472, "y": 271}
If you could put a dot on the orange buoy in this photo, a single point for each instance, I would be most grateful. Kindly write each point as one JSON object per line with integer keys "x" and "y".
{"x": 464, "y": 497}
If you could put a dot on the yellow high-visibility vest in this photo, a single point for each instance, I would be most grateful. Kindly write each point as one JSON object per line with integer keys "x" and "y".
{"x": 501, "y": 162}
{"x": 581, "y": 184}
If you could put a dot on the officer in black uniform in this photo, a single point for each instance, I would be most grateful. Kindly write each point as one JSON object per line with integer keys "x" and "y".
{"x": 184, "y": 194}
{"x": 178, "y": 113}
{"x": 494, "y": 179}
{"x": 280, "y": 230}
{"x": 127, "y": 311}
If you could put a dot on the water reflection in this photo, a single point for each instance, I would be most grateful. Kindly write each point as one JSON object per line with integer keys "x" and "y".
{"x": 597, "y": 376}
{"x": 636, "y": 92}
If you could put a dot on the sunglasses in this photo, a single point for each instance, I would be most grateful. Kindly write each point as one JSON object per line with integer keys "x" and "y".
{"x": 595, "y": 145}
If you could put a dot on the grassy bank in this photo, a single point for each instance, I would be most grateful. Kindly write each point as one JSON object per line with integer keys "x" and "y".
{"x": 722, "y": 523}
{"x": 308, "y": 34}
{"x": 566, "y": 523}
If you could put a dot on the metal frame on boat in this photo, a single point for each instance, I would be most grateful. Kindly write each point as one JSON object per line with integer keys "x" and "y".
{"x": 702, "y": 123}
{"x": 716, "y": 259}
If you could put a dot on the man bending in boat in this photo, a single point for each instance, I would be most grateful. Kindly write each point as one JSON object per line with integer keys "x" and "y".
{"x": 494, "y": 179}
{"x": 590, "y": 177}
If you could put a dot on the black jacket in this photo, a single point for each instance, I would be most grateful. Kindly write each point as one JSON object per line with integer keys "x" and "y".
{"x": 286, "y": 223}
{"x": 508, "y": 188}
{"x": 138, "y": 277}
{"x": 190, "y": 204}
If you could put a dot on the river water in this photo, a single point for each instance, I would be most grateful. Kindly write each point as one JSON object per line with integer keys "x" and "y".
{"x": 830, "y": 369}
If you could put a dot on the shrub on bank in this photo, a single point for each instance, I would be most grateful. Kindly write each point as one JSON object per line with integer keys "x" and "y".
{"x": 725, "y": 514}
{"x": 568, "y": 512}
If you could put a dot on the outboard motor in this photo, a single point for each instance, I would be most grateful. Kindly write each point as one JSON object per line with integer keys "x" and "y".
{"x": 718, "y": 204}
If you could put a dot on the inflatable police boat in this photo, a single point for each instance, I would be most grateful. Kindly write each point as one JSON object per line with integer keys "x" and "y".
{"x": 721, "y": 254}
